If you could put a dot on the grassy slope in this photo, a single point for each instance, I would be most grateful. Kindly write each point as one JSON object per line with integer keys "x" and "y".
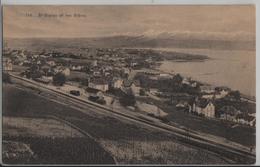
{"x": 50, "y": 141}
{"x": 240, "y": 134}
{"x": 38, "y": 127}
{"x": 115, "y": 135}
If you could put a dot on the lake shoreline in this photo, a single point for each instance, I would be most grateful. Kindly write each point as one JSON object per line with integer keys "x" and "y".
{"x": 159, "y": 69}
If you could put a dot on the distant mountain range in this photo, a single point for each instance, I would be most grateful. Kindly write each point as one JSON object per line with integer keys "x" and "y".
{"x": 162, "y": 40}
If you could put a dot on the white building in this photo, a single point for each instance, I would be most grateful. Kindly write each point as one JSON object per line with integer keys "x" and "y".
{"x": 117, "y": 83}
{"x": 193, "y": 84}
{"x": 208, "y": 96}
{"x": 222, "y": 93}
{"x": 51, "y": 63}
{"x": 165, "y": 76}
{"x": 50, "y": 78}
{"x": 151, "y": 72}
{"x": 207, "y": 89}
{"x": 135, "y": 89}
{"x": 63, "y": 70}
{"x": 94, "y": 63}
{"x": 99, "y": 85}
{"x": 66, "y": 71}
{"x": 77, "y": 67}
{"x": 186, "y": 81}
{"x": 7, "y": 65}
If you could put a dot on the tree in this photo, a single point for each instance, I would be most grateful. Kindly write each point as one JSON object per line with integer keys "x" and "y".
{"x": 177, "y": 83}
{"x": 142, "y": 92}
{"x": 36, "y": 74}
{"x": 87, "y": 69}
{"x": 34, "y": 67}
{"x": 59, "y": 79}
{"x": 6, "y": 78}
{"x": 84, "y": 81}
{"x": 235, "y": 94}
{"x": 45, "y": 70}
{"x": 177, "y": 79}
{"x": 127, "y": 99}
{"x": 33, "y": 72}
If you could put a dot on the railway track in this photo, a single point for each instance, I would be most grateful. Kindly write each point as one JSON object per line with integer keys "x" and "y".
{"x": 235, "y": 154}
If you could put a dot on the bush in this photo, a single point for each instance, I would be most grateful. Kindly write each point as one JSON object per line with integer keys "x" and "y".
{"x": 101, "y": 101}
{"x": 163, "y": 119}
{"x": 75, "y": 92}
{"x": 142, "y": 92}
{"x": 235, "y": 94}
{"x": 59, "y": 79}
{"x": 93, "y": 98}
{"x": 127, "y": 100}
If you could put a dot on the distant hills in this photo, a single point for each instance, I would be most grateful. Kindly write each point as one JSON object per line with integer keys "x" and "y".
{"x": 163, "y": 40}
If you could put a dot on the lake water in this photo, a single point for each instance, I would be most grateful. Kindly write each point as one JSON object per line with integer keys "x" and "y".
{"x": 235, "y": 69}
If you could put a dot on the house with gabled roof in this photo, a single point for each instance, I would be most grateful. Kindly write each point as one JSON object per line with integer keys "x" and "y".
{"x": 95, "y": 93}
{"x": 117, "y": 83}
{"x": 204, "y": 107}
{"x": 99, "y": 84}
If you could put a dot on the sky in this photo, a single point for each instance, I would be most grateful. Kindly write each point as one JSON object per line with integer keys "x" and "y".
{"x": 225, "y": 22}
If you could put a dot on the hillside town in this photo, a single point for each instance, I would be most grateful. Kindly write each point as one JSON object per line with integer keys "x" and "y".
{"x": 129, "y": 76}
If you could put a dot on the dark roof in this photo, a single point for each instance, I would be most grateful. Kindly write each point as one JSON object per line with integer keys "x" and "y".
{"x": 202, "y": 102}
{"x": 241, "y": 115}
{"x": 92, "y": 90}
{"x": 207, "y": 87}
{"x": 220, "y": 88}
{"x": 249, "y": 118}
{"x": 179, "y": 94}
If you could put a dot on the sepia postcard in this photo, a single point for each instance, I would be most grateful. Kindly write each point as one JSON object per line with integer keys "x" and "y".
{"x": 129, "y": 84}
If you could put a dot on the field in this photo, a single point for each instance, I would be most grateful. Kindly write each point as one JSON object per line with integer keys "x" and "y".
{"x": 37, "y": 127}
{"x": 49, "y": 150}
{"x": 38, "y": 139}
{"x": 149, "y": 151}
{"x": 127, "y": 142}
